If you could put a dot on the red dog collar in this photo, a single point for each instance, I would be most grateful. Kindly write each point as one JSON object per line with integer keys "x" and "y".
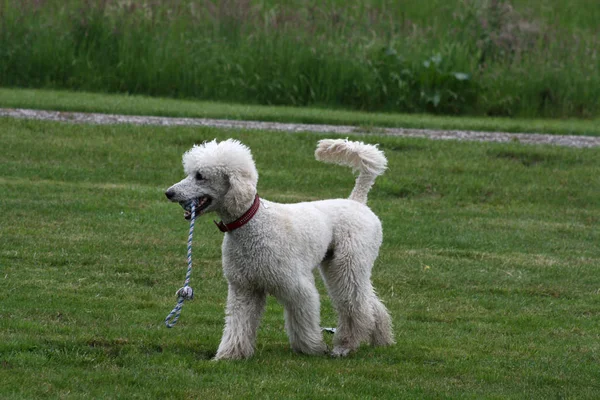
{"x": 241, "y": 221}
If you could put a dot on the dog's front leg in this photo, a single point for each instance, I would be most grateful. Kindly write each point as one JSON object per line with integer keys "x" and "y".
{"x": 244, "y": 310}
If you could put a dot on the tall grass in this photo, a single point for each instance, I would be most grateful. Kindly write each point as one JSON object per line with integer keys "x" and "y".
{"x": 451, "y": 57}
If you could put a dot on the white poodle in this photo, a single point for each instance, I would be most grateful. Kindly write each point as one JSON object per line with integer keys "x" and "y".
{"x": 272, "y": 248}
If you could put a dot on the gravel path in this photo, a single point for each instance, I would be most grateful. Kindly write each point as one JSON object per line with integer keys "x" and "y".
{"x": 104, "y": 119}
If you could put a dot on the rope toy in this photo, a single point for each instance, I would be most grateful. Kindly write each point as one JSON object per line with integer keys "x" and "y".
{"x": 186, "y": 292}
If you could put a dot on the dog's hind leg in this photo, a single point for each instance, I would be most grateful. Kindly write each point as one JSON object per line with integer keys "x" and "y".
{"x": 350, "y": 298}
{"x": 382, "y": 334}
{"x": 302, "y": 315}
{"x": 244, "y": 310}
{"x": 361, "y": 315}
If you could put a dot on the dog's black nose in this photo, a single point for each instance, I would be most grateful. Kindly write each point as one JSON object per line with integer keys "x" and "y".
{"x": 170, "y": 194}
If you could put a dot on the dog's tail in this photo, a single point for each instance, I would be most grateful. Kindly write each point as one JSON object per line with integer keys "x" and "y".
{"x": 367, "y": 159}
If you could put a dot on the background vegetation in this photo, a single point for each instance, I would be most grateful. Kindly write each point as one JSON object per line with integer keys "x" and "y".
{"x": 481, "y": 57}
{"x": 490, "y": 268}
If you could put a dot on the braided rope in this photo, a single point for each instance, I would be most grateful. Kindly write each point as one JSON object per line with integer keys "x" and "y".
{"x": 186, "y": 292}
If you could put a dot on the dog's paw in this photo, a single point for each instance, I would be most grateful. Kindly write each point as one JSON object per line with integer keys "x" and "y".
{"x": 220, "y": 357}
{"x": 339, "y": 351}
{"x": 233, "y": 354}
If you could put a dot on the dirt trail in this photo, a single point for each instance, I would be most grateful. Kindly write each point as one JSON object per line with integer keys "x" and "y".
{"x": 104, "y": 119}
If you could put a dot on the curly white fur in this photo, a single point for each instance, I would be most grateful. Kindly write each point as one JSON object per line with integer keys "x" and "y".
{"x": 276, "y": 252}
{"x": 367, "y": 159}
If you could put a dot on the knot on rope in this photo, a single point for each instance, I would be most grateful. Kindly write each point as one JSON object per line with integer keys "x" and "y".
{"x": 186, "y": 292}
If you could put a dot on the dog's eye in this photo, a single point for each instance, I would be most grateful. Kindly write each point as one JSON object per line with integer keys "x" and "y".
{"x": 199, "y": 176}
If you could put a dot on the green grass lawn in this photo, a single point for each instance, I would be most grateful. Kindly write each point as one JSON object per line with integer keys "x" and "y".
{"x": 490, "y": 268}
{"x": 143, "y": 105}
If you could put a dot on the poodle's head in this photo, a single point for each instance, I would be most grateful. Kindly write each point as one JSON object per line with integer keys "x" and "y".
{"x": 220, "y": 177}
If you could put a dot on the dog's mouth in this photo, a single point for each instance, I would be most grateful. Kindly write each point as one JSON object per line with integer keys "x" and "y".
{"x": 201, "y": 204}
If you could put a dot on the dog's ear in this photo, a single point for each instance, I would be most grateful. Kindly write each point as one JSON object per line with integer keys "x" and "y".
{"x": 242, "y": 190}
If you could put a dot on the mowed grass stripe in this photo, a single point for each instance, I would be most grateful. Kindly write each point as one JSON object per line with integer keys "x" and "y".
{"x": 490, "y": 267}
{"x": 110, "y": 119}
{"x": 363, "y": 121}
